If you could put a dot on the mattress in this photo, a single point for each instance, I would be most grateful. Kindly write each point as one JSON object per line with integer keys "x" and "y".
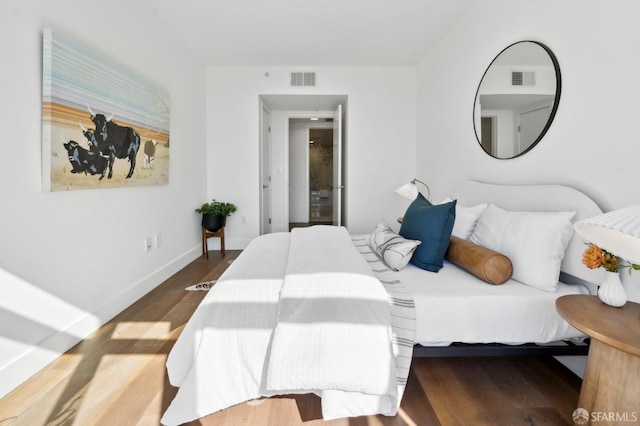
{"x": 454, "y": 306}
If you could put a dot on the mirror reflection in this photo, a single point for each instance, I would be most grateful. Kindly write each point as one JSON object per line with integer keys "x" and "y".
{"x": 517, "y": 99}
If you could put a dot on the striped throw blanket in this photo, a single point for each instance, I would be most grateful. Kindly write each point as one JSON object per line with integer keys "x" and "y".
{"x": 402, "y": 310}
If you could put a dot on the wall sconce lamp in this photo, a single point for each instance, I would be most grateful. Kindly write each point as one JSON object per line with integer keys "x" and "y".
{"x": 410, "y": 190}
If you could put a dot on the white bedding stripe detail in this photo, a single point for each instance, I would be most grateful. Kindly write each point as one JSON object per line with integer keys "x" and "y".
{"x": 401, "y": 308}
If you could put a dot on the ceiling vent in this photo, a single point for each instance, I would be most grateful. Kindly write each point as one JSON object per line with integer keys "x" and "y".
{"x": 523, "y": 78}
{"x": 303, "y": 79}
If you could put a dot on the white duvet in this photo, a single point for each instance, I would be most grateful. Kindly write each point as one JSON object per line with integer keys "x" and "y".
{"x": 331, "y": 307}
{"x": 283, "y": 321}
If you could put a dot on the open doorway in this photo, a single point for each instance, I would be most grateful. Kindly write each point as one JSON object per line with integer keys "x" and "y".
{"x": 293, "y": 199}
{"x": 488, "y": 134}
{"x": 320, "y": 176}
{"x": 311, "y": 182}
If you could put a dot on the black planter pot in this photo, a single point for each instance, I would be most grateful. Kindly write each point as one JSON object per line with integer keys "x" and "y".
{"x": 213, "y": 223}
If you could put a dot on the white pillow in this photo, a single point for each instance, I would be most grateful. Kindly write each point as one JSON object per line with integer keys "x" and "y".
{"x": 534, "y": 241}
{"x": 466, "y": 218}
{"x": 394, "y": 250}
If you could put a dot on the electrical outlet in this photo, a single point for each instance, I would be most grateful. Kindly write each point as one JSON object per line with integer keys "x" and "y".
{"x": 148, "y": 244}
{"x": 157, "y": 241}
{"x": 243, "y": 219}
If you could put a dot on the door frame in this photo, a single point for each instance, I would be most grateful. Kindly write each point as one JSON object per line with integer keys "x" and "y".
{"x": 283, "y": 107}
{"x": 338, "y": 175}
{"x": 300, "y": 115}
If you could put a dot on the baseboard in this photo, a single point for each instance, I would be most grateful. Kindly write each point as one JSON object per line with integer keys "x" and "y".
{"x": 38, "y": 357}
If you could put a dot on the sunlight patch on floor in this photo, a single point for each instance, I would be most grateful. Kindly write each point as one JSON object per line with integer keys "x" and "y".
{"x": 48, "y": 397}
{"x": 404, "y": 416}
{"x": 116, "y": 392}
{"x": 138, "y": 330}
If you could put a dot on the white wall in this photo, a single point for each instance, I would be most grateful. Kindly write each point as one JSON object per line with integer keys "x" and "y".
{"x": 592, "y": 145}
{"x": 69, "y": 261}
{"x": 380, "y": 137}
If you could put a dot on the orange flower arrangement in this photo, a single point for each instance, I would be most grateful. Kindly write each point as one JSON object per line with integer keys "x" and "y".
{"x": 595, "y": 257}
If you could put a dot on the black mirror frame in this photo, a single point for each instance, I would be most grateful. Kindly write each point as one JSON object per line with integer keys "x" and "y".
{"x": 554, "y": 108}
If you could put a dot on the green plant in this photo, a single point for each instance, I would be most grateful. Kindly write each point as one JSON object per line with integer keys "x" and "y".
{"x": 217, "y": 208}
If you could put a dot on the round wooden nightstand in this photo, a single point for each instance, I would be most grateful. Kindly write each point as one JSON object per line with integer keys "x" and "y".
{"x": 611, "y": 382}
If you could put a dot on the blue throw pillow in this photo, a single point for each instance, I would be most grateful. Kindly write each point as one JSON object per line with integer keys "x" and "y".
{"x": 432, "y": 225}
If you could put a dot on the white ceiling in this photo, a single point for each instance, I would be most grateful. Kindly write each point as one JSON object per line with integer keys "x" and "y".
{"x": 304, "y": 32}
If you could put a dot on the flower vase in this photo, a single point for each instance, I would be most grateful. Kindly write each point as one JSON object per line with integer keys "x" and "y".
{"x": 611, "y": 291}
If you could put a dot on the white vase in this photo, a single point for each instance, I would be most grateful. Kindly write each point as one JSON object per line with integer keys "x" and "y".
{"x": 611, "y": 291}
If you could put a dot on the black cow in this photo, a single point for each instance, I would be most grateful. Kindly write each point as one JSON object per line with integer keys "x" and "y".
{"x": 84, "y": 161}
{"x": 115, "y": 141}
{"x": 90, "y": 134}
{"x": 149, "y": 153}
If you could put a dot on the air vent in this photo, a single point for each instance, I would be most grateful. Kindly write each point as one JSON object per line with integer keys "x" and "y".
{"x": 523, "y": 78}
{"x": 303, "y": 79}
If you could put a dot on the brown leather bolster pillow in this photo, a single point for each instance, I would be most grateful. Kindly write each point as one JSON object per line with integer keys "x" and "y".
{"x": 484, "y": 263}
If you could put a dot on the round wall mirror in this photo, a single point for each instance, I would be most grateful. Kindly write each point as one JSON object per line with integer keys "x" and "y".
{"x": 517, "y": 99}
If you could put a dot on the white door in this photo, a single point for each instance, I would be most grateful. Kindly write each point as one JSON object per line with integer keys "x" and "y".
{"x": 265, "y": 172}
{"x": 531, "y": 125}
{"x": 337, "y": 167}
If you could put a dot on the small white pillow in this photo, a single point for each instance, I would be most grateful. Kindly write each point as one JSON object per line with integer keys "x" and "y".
{"x": 466, "y": 218}
{"x": 534, "y": 241}
{"x": 394, "y": 250}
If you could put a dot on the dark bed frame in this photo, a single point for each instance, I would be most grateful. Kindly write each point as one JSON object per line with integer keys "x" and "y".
{"x": 498, "y": 349}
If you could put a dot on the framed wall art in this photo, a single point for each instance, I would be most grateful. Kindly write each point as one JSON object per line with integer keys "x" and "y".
{"x": 102, "y": 125}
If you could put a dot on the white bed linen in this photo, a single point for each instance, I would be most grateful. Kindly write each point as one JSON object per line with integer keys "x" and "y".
{"x": 222, "y": 355}
{"x": 218, "y": 360}
{"x": 331, "y": 306}
{"x": 454, "y": 306}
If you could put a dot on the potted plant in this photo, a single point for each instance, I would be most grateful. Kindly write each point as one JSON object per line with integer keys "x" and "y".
{"x": 214, "y": 214}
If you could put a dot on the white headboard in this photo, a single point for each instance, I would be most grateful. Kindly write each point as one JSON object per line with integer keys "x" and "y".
{"x": 541, "y": 198}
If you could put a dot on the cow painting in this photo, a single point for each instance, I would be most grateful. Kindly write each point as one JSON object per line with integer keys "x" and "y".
{"x": 149, "y": 153}
{"x": 115, "y": 141}
{"x": 85, "y": 161}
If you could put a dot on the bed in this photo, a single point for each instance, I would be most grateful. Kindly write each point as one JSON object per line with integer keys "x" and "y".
{"x": 317, "y": 311}
{"x": 515, "y": 319}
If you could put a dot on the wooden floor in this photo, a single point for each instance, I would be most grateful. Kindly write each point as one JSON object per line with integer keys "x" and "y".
{"x": 117, "y": 377}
